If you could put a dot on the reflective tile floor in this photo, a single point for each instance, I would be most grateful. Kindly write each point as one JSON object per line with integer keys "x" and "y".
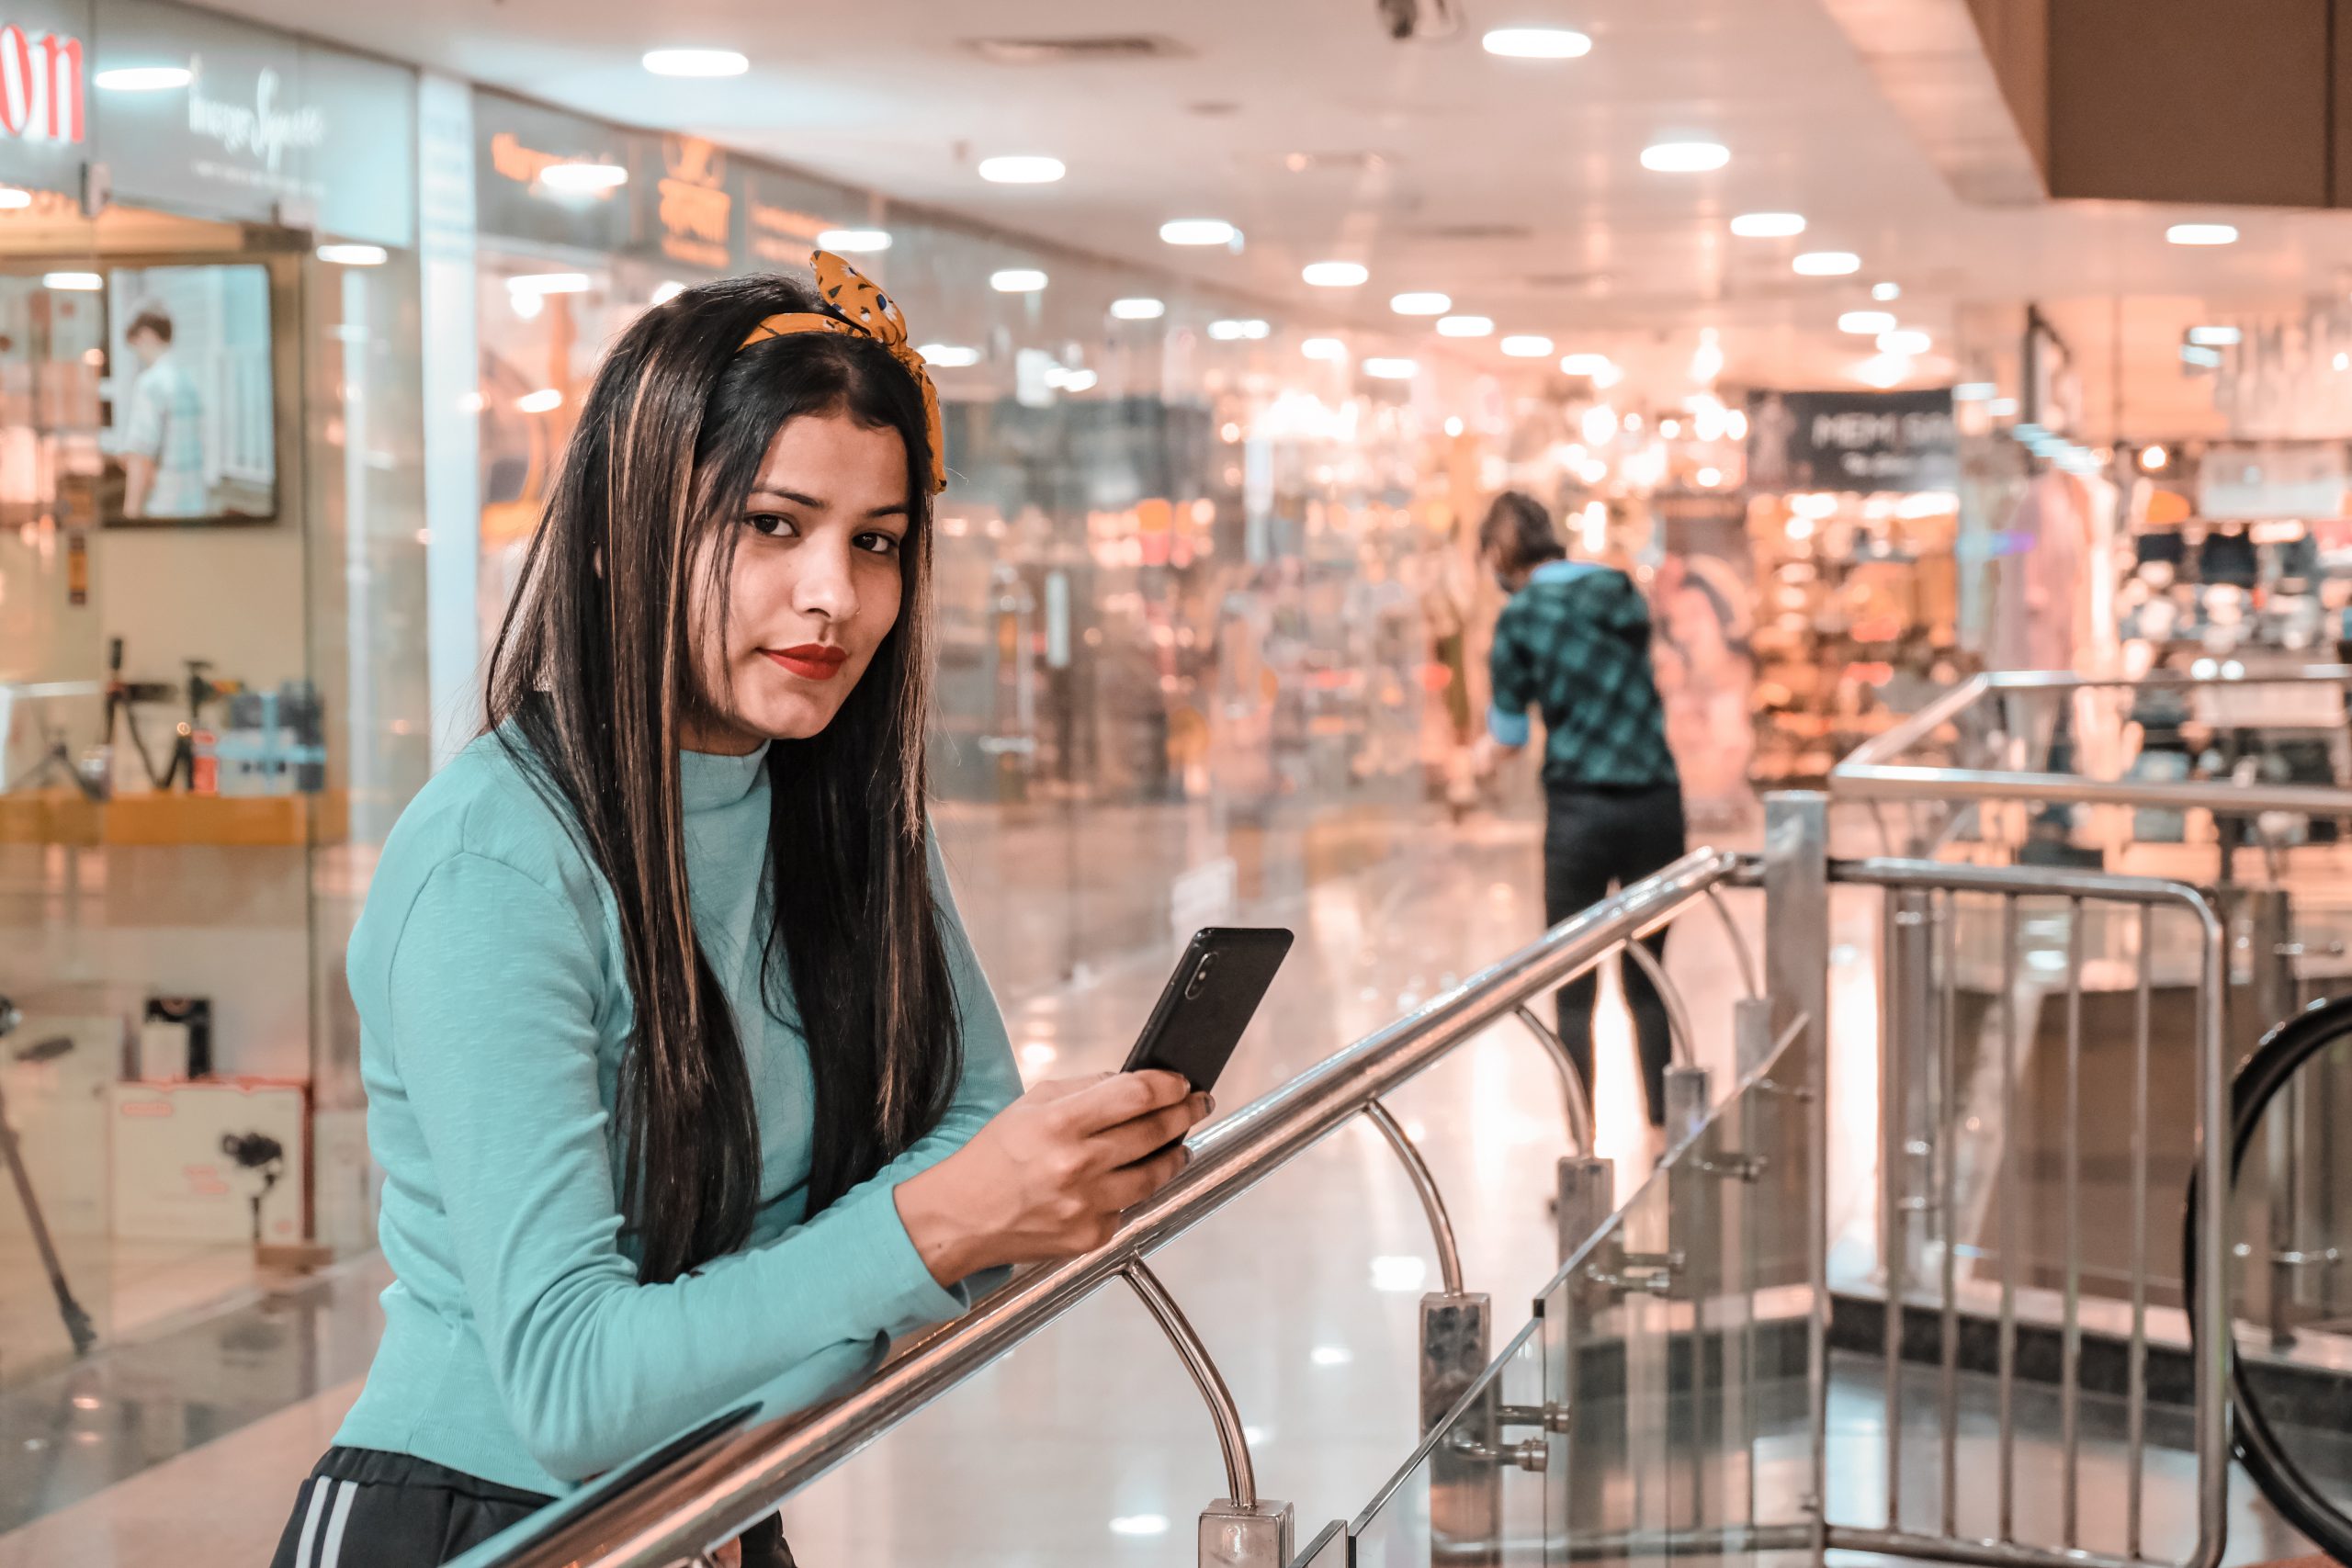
{"x": 1087, "y": 1445}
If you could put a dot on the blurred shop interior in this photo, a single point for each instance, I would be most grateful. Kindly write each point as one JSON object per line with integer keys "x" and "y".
{"x": 1212, "y": 617}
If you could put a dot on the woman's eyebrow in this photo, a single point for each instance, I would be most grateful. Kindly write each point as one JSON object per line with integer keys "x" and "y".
{"x": 777, "y": 492}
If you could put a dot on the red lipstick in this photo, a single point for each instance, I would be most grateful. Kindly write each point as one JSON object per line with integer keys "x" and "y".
{"x": 809, "y": 661}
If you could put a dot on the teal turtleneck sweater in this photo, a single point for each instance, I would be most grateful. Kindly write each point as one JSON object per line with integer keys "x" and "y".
{"x": 518, "y": 1345}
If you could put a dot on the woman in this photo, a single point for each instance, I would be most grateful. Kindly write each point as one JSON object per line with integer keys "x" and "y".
{"x": 685, "y": 1081}
{"x": 1574, "y": 643}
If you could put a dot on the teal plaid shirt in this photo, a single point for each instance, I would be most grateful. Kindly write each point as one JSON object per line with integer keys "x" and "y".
{"x": 1574, "y": 644}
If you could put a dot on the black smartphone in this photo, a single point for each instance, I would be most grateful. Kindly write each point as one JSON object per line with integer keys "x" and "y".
{"x": 1208, "y": 1001}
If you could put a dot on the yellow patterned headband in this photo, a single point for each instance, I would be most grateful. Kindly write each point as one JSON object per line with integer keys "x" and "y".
{"x": 866, "y": 312}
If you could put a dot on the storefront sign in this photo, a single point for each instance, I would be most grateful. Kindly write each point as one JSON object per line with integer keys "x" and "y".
{"x": 1852, "y": 441}
{"x": 44, "y": 101}
{"x": 268, "y": 127}
{"x": 692, "y": 217}
{"x": 783, "y": 215}
{"x": 515, "y": 143}
{"x": 2244, "y": 481}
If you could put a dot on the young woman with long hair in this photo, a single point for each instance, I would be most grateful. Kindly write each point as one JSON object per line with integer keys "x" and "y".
{"x": 685, "y": 1081}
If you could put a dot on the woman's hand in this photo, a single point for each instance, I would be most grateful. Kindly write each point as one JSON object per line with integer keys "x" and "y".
{"x": 1049, "y": 1175}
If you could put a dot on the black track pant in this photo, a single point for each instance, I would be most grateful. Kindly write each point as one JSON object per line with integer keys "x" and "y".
{"x": 364, "y": 1509}
{"x": 1593, "y": 838}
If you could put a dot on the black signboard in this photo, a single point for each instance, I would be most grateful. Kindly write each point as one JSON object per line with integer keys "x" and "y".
{"x": 1852, "y": 441}
{"x": 514, "y": 145}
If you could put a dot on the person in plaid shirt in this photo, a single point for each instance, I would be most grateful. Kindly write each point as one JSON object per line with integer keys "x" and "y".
{"x": 1574, "y": 644}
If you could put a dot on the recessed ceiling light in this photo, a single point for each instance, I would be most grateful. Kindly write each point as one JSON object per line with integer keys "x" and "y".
{"x": 1885, "y": 291}
{"x": 669, "y": 289}
{"x": 854, "y": 242}
{"x": 576, "y": 177}
{"x": 1866, "y": 323}
{"x": 1392, "y": 370}
{"x": 1585, "y": 363}
{"x": 2202, "y": 234}
{"x": 695, "y": 62}
{"x": 1022, "y": 170}
{"x": 547, "y": 399}
{"x": 72, "y": 282}
{"x": 1909, "y": 339}
{"x": 1537, "y": 43}
{"x": 143, "y": 78}
{"x": 353, "y": 255}
{"x": 1325, "y": 348}
{"x": 1465, "y": 326}
{"x": 1337, "y": 1355}
{"x": 1079, "y": 382}
{"x": 1768, "y": 225}
{"x": 1685, "y": 157}
{"x": 548, "y": 283}
{"x": 1238, "y": 329}
{"x": 1199, "y": 232}
{"x": 1140, "y": 309}
{"x": 1882, "y": 370}
{"x": 1826, "y": 264}
{"x": 1139, "y": 1524}
{"x": 1335, "y": 273}
{"x": 1420, "y": 303}
{"x": 1973, "y": 392}
{"x": 2216, "y": 337}
{"x": 1526, "y": 346}
{"x": 14, "y": 197}
{"x": 1017, "y": 280}
{"x": 949, "y": 356}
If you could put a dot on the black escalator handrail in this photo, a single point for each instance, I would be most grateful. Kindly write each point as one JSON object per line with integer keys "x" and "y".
{"x": 2273, "y": 1066}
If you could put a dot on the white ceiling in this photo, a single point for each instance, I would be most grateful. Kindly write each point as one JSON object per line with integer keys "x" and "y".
{"x": 1595, "y": 251}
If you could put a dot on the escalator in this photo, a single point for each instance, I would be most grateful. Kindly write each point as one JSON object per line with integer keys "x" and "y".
{"x": 2290, "y": 1169}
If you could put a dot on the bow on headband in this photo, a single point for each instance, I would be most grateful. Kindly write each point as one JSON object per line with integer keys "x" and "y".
{"x": 866, "y": 312}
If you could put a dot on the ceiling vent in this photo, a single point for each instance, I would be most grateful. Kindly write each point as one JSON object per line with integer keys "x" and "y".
{"x": 1107, "y": 46}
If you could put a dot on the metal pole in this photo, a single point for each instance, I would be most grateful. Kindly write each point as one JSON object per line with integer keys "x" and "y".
{"x": 2070, "y": 1375}
{"x": 1947, "y": 1135}
{"x": 1240, "y": 1530}
{"x": 1797, "y": 969}
{"x": 1586, "y": 1198}
{"x": 1576, "y": 1103}
{"x": 1449, "y": 1255}
{"x": 2136, "y": 1373}
{"x": 2012, "y": 1200}
{"x": 1677, "y": 1017}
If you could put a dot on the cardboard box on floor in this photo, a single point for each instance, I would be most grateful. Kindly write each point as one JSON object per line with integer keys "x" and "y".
{"x": 175, "y": 1181}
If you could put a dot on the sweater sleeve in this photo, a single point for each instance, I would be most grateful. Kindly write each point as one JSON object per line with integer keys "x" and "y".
{"x": 494, "y": 994}
{"x": 1511, "y": 682}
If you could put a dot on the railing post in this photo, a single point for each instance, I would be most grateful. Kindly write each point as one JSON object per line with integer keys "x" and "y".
{"x": 1466, "y": 1483}
{"x": 1588, "y": 1197}
{"x": 1686, "y": 1103}
{"x": 1796, "y": 970}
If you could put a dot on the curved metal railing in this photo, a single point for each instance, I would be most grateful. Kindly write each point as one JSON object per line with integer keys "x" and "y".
{"x": 2269, "y": 1077}
{"x": 678, "y": 1503}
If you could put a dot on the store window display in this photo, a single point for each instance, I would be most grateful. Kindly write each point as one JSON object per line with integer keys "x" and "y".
{"x": 210, "y": 555}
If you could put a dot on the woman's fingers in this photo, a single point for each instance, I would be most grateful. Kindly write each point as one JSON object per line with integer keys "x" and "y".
{"x": 1139, "y": 1139}
{"x": 1119, "y": 1097}
{"x": 1130, "y": 1185}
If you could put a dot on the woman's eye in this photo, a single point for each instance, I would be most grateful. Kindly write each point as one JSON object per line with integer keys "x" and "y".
{"x": 774, "y": 525}
{"x": 878, "y": 544}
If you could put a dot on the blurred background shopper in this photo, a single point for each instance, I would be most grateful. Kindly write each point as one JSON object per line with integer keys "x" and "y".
{"x": 1573, "y": 643}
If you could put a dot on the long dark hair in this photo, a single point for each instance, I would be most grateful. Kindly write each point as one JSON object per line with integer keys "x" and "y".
{"x": 593, "y": 674}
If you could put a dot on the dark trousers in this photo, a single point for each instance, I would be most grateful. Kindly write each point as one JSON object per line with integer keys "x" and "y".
{"x": 364, "y": 1509}
{"x": 1593, "y": 838}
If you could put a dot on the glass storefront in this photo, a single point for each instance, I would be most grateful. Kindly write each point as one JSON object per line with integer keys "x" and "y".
{"x": 210, "y": 596}
{"x": 1183, "y": 568}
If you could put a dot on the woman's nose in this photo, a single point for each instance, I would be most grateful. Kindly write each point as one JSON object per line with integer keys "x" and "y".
{"x": 825, "y": 586}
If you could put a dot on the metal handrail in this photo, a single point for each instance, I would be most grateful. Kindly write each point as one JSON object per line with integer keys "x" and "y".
{"x": 716, "y": 1487}
{"x": 1870, "y": 772}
